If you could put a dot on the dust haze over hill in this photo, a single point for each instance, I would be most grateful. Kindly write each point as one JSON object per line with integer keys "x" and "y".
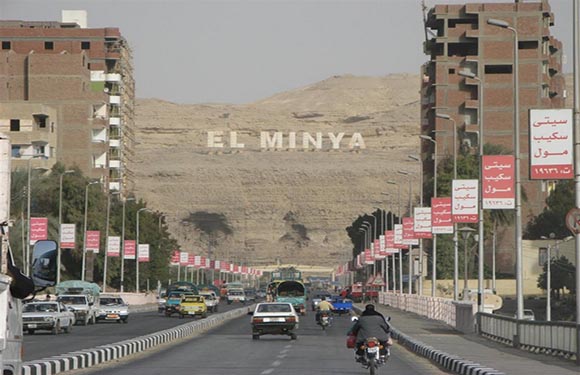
{"x": 258, "y": 205}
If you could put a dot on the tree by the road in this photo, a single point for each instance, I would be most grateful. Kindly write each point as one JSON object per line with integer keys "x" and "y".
{"x": 562, "y": 275}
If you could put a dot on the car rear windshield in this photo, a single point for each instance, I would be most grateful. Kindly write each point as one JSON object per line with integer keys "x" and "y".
{"x": 111, "y": 301}
{"x": 275, "y": 307}
{"x": 191, "y": 299}
{"x": 73, "y": 300}
{"x": 41, "y": 307}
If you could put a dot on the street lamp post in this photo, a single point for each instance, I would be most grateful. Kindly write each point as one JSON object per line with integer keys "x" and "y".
{"x": 58, "y": 261}
{"x": 455, "y": 238}
{"x": 399, "y": 222}
{"x": 107, "y": 225}
{"x": 137, "y": 249}
{"x": 576, "y": 64}
{"x": 420, "y": 271}
{"x": 518, "y": 187}
{"x": 465, "y": 233}
{"x": 410, "y": 255}
{"x": 386, "y": 260}
{"x": 28, "y": 195}
{"x": 480, "y": 244}
{"x": 85, "y": 228}
{"x": 434, "y": 254}
{"x": 123, "y": 244}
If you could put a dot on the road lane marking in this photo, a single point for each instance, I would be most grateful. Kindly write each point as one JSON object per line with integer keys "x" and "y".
{"x": 281, "y": 356}
{"x": 276, "y": 363}
{"x": 268, "y": 371}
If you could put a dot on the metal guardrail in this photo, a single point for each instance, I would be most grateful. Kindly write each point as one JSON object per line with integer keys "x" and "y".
{"x": 554, "y": 338}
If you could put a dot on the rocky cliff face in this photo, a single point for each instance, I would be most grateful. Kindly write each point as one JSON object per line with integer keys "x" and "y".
{"x": 269, "y": 200}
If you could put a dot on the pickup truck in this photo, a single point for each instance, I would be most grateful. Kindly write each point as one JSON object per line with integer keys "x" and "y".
{"x": 211, "y": 301}
{"x": 113, "y": 308}
{"x": 81, "y": 307}
{"x": 48, "y": 316}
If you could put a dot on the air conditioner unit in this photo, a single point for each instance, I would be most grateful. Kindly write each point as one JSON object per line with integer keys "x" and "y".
{"x": 466, "y": 143}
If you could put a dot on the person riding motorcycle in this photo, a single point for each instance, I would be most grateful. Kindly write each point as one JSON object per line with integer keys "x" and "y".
{"x": 371, "y": 323}
{"x": 323, "y": 305}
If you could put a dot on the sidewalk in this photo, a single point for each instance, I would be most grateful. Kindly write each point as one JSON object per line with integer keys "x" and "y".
{"x": 471, "y": 348}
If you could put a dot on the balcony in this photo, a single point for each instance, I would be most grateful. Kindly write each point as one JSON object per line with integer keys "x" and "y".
{"x": 116, "y": 143}
{"x": 472, "y": 104}
{"x": 115, "y": 99}
{"x": 115, "y": 164}
{"x": 114, "y": 186}
{"x": 97, "y": 76}
{"x": 115, "y": 121}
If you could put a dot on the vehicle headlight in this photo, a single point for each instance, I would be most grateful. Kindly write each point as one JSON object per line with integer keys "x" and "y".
{"x": 48, "y": 318}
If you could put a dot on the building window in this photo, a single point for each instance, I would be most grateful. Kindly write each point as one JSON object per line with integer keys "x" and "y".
{"x": 498, "y": 69}
{"x": 451, "y": 70}
{"x": 85, "y": 45}
{"x": 15, "y": 152}
{"x": 49, "y": 45}
{"x": 39, "y": 150}
{"x": 462, "y": 49}
{"x": 6, "y": 45}
{"x": 14, "y": 125}
{"x": 40, "y": 121}
{"x": 528, "y": 44}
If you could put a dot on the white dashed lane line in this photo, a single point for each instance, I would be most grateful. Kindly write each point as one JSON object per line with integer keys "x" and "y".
{"x": 276, "y": 363}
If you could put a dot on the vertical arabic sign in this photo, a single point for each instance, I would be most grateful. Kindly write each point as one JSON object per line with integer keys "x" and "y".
{"x": 464, "y": 201}
{"x": 67, "y": 236}
{"x": 382, "y": 249}
{"x": 143, "y": 253}
{"x": 377, "y": 253}
{"x": 399, "y": 237}
{"x": 38, "y": 229}
{"x": 441, "y": 219}
{"x": 368, "y": 256}
{"x": 114, "y": 246}
{"x": 422, "y": 222}
{"x": 129, "y": 251}
{"x": 183, "y": 258}
{"x": 498, "y": 182}
{"x": 551, "y": 144}
{"x": 408, "y": 232}
{"x": 390, "y": 242}
{"x": 93, "y": 241}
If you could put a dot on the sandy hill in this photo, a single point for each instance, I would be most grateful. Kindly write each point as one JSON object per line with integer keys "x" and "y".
{"x": 257, "y": 205}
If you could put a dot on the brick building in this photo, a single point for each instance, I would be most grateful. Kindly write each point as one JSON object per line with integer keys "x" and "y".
{"x": 79, "y": 82}
{"x": 459, "y": 38}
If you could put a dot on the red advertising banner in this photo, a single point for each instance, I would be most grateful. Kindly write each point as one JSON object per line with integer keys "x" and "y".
{"x": 143, "y": 253}
{"x": 464, "y": 197}
{"x": 358, "y": 262}
{"x": 390, "y": 242}
{"x": 368, "y": 257}
{"x": 129, "y": 250}
{"x": 191, "y": 260}
{"x": 93, "y": 241}
{"x": 205, "y": 263}
{"x": 175, "y": 258}
{"x": 551, "y": 144}
{"x": 377, "y": 250}
{"x": 114, "y": 246}
{"x": 441, "y": 219}
{"x": 197, "y": 261}
{"x": 409, "y": 232}
{"x": 422, "y": 222}
{"x": 399, "y": 237}
{"x": 498, "y": 186}
{"x": 67, "y": 236}
{"x": 38, "y": 229}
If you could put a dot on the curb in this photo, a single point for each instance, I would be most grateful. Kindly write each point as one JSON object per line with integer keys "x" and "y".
{"x": 450, "y": 362}
{"x": 104, "y": 353}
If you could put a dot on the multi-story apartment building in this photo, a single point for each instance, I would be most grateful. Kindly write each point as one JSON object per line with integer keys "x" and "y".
{"x": 459, "y": 38}
{"x": 80, "y": 80}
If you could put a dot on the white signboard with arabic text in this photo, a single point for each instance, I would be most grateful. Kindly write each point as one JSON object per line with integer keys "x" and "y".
{"x": 464, "y": 201}
{"x": 551, "y": 144}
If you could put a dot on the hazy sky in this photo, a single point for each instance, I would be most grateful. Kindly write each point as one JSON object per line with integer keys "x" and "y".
{"x": 190, "y": 51}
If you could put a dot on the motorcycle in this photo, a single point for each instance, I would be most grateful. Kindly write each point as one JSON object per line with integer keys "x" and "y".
{"x": 325, "y": 320}
{"x": 372, "y": 358}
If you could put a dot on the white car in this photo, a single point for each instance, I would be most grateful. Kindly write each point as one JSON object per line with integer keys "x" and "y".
{"x": 236, "y": 295}
{"x": 274, "y": 318}
{"x": 48, "y": 316}
{"x": 211, "y": 301}
{"x": 113, "y": 308}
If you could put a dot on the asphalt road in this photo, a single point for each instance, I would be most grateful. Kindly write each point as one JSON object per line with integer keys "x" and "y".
{"x": 229, "y": 349}
{"x": 42, "y": 344}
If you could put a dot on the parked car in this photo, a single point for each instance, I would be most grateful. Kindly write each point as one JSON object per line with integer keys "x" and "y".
{"x": 274, "y": 318}
{"x": 113, "y": 308}
{"x": 529, "y": 314}
{"x": 48, "y": 316}
{"x": 192, "y": 305}
{"x": 211, "y": 301}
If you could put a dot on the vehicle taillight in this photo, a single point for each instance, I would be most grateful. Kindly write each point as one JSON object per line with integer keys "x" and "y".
{"x": 371, "y": 344}
{"x": 291, "y": 319}
{"x": 257, "y": 320}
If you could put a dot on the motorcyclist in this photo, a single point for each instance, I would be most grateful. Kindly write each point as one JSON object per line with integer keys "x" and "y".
{"x": 371, "y": 323}
{"x": 323, "y": 305}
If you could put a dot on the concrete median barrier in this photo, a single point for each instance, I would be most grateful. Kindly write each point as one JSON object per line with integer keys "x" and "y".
{"x": 104, "y": 353}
